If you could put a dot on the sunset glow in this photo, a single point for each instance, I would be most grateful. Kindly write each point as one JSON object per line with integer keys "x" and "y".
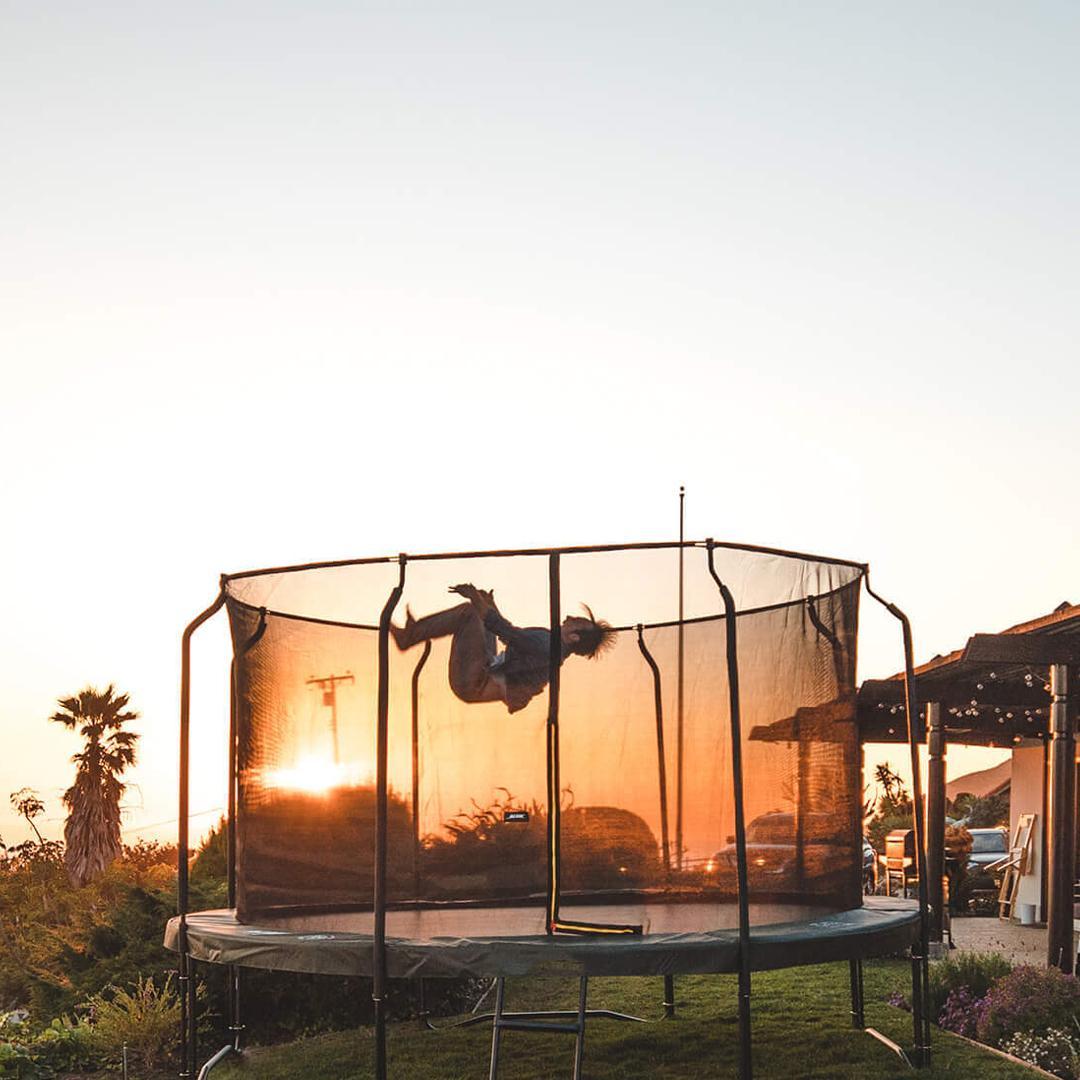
{"x": 318, "y": 775}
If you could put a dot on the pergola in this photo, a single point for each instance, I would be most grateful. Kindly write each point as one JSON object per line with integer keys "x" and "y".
{"x": 999, "y": 690}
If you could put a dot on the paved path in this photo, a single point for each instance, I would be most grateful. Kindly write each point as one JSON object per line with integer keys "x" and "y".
{"x": 1021, "y": 944}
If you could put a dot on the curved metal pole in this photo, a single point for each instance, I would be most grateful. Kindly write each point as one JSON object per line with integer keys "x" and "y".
{"x": 233, "y": 972}
{"x": 554, "y": 791}
{"x": 248, "y": 645}
{"x": 416, "y": 765}
{"x": 730, "y": 613}
{"x": 679, "y": 687}
{"x": 188, "y": 1032}
{"x": 920, "y": 973}
{"x": 378, "y": 981}
{"x": 658, "y": 705}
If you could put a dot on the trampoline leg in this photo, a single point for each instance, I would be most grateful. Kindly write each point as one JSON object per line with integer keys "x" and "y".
{"x": 669, "y": 997}
{"x": 496, "y": 1027}
{"x": 858, "y": 1006}
{"x": 579, "y": 1048}
{"x": 746, "y": 1066}
{"x": 380, "y": 1040}
{"x": 185, "y": 1020}
{"x": 192, "y": 1049}
{"x": 236, "y": 1027}
{"x": 919, "y": 992}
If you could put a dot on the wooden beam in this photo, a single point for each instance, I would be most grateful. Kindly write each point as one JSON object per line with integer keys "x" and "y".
{"x": 935, "y": 818}
{"x": 1019, "y": 649}
{"x": 1062, "y": 825}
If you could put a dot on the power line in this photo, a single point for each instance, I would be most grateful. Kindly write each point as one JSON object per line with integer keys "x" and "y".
{"x": 171, "y": 821}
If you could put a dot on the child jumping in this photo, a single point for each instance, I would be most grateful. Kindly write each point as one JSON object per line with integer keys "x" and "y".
{"x": 478, "y": 671}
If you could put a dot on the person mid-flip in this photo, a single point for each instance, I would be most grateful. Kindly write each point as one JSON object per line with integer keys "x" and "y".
{"x": 478, "y": 670}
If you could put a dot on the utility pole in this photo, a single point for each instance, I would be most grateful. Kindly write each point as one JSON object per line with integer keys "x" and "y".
{"x": 328, "y": 686}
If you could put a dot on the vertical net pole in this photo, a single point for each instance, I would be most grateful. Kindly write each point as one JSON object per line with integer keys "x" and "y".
{"x": 230, "y": 811}
{"x": 920, "y": 971}
{"x": 416, "y": 766}
{"x": 188, "y": 1031}
{"x": 554, "y": 792}
{"x": 233, "y": 974}
{"x": 679, "y": 688}
{"x": 661, "y": 765}
{"x": 661, "y": 762}
{"x": 378, "y": 981}
{"x": 732, "y": 654}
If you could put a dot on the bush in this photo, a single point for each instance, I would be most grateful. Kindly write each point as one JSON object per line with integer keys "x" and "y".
{"x": 1029, "y": 999}
{"x": 62, "y": 1046}
{"x": 143, "y": 1018}
{"x": 1056, "y": 1051}
{"x": 961, "y": 1013}
{"x": 973, "y": 971}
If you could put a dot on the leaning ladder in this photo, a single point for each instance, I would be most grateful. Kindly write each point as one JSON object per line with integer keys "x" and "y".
{"x": 555, "y": 1022}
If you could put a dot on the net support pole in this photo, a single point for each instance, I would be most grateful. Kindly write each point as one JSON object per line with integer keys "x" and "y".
{"x": 935, "y": 818}
{"x": 378, "y": 971}
{"x": 553, "y": 778}
{"x": 920, "y": 972}
{"x": 732, "y": 655}
{"x": 188, "y": 1028}
{"x": 415, "y": 702}
{"x": 236, "y": 1026}
{"x": 680, "y": 685}
{"x": 1062, "y": 825}
{"x": 661, "y": 762}
{"x": 665, "y": 846}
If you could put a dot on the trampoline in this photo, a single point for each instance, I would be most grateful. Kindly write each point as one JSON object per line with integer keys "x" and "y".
{"x": 635, "y": 759}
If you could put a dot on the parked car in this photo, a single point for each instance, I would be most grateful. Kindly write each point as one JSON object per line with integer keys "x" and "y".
{"x": 772, "y": 853}
{"x": 988, "y": 846}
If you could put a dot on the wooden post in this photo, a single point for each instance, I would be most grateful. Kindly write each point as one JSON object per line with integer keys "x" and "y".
{"x": 1062, "y": 825}
{"x": 935, "y": 819}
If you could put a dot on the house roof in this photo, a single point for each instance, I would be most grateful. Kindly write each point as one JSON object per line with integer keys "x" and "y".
{"x": 992, "y": 690}
{"x": 982, "y": 783}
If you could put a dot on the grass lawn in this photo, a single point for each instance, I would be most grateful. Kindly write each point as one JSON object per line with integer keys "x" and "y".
{"x": 801, "y": 1029}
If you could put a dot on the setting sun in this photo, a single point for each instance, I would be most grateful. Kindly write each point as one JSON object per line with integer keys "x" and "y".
{"x": 318, "y": 775}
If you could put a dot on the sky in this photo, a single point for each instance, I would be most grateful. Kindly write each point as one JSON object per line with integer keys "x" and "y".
{"x": 285, "y": 282}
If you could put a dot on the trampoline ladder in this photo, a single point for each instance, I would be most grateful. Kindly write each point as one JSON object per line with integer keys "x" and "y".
{"x": 539, "y": 1021}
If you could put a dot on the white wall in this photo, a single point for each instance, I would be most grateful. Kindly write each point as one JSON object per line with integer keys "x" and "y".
{"x": 1026, "y": 797}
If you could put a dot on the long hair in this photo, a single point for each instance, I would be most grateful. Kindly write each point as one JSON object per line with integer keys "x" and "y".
{"x": 597, "y": 637}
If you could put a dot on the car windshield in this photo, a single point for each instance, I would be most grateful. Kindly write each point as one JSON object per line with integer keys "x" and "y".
{"x": 983, "y": 843}
{"x": 778, "y": 830}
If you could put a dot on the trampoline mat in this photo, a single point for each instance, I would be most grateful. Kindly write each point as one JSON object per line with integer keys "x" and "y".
{"x": 449, "y": 942}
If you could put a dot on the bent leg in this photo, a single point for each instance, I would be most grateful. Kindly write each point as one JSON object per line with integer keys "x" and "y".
{"x": 472, "y": 649}
{"x": 440, "y": 624}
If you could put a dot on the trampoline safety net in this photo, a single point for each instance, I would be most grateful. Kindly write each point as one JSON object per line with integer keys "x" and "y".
{"x": 643, "y": 748}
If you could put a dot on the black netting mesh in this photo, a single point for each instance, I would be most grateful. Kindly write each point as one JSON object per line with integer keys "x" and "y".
{"x": 468, "y": 809}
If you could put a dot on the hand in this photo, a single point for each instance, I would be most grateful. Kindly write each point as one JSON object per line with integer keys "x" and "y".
{"x": 482, "y": 599}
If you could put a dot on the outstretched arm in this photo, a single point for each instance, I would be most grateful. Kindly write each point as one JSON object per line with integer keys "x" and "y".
{"x": 483, "y": 601}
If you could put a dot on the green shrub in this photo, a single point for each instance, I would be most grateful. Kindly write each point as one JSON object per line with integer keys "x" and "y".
{"x": 62, "y": 1046}
{"x": 974, "y": 970}
{"x": 144, "y": 1018}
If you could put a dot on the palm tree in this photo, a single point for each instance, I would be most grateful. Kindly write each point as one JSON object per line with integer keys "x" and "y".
{"x": 92, "y": 829}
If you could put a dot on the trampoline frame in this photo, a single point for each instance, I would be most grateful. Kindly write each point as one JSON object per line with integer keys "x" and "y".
{"x": 189, "y": 1046}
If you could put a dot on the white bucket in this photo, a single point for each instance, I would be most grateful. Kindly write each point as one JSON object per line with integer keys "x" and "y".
{"x": 1027, "y": 914}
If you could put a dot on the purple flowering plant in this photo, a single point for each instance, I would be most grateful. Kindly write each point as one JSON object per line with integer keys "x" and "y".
{"x": 1028, "y": 999}
{"x": 962, "y": 1012}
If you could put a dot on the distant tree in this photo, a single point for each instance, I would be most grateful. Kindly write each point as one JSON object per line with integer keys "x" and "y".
{"x": 893, "y": 792}
{"x": 28, "y": 804}
{"x": 982, "y": 811}
{"x": 92, "y": 829}
{"x": 894, "y": 810}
